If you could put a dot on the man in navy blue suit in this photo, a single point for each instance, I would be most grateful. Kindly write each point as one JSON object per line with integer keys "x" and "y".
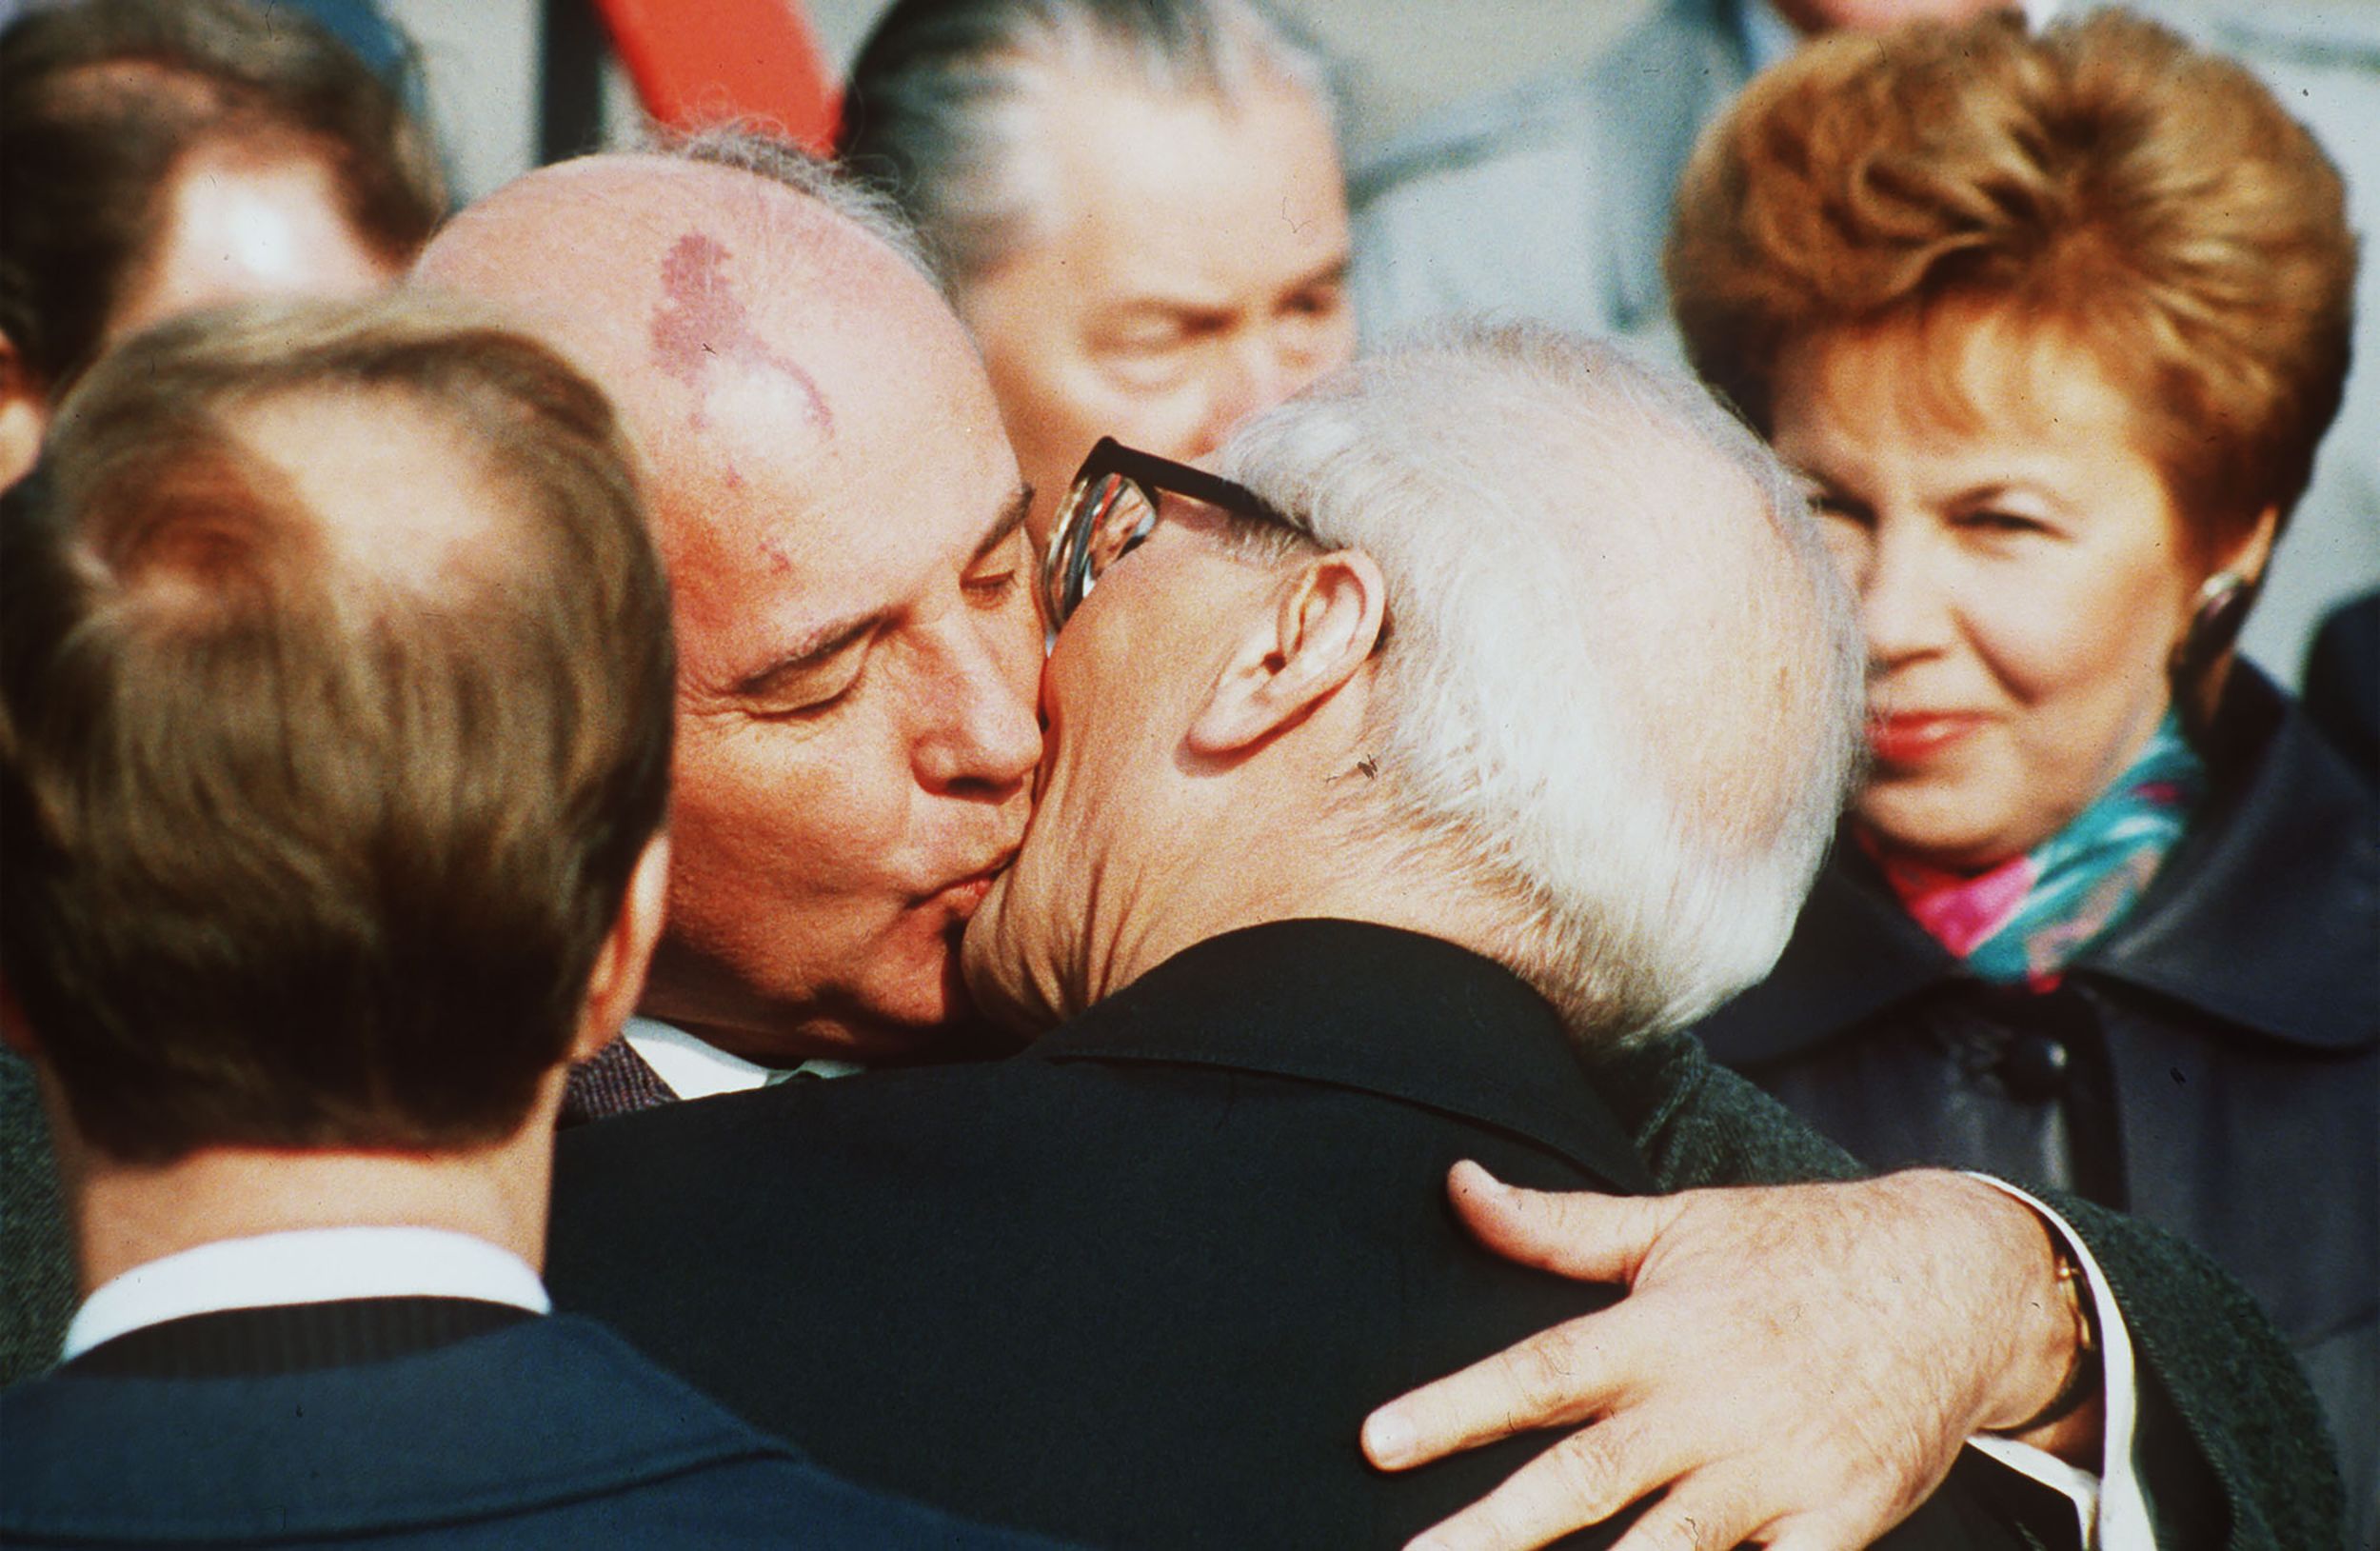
{"x": 335, "y": 711}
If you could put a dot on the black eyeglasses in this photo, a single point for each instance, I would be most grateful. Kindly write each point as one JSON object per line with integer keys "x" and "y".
{"x": 1112, "y": 506}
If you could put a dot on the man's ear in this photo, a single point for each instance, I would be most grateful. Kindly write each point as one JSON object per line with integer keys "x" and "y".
{"x": 23, "y": 415}
{"x": 1328, "y": 621}
{"x": 618, "y": 978}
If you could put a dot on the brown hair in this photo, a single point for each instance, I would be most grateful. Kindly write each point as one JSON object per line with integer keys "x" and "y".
{"x": 2102, "y": 179}
{"x": 305, "y": 840}
{"x": 101, "y": 102}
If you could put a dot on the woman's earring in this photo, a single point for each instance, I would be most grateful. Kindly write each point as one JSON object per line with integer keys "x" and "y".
{"x": 2196, "y": 665}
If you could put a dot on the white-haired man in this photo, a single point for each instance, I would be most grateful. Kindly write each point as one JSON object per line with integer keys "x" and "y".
{"x": 1374, "y": 787}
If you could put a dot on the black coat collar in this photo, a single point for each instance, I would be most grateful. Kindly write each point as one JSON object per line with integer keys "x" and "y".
{"x": 1370, "y": 1008}
{"x": 2271, "y": 915}
{"x": 2246, "y": 922}
{"x": 292, "y": 1338}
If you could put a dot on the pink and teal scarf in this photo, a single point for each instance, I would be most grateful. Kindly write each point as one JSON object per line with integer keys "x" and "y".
{"x": 2029, "y": 918}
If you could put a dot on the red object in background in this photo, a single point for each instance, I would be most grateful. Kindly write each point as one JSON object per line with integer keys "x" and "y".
{"x": 697, "y": 62}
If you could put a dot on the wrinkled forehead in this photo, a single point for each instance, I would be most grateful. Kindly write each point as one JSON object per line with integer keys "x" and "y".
{"x": 863, "y": 487}
{"x": 814, "y": 427}
{"x": 1164, "y": 167}
{"x": 680, "y": 283}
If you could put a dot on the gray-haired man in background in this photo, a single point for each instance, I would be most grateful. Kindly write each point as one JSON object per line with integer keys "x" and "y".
{"x": 1134, "y": 206}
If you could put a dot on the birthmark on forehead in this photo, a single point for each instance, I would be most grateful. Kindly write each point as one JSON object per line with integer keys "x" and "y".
{"x": 701, "y": 322}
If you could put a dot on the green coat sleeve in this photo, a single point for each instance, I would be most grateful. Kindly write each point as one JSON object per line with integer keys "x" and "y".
{"x": 2232, "y": 1447}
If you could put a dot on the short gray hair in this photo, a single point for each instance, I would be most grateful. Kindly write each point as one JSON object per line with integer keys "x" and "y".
{"x": 1623, "y": 685}
{"x": 767, "y": 153}
{"x": 940, "y": 102}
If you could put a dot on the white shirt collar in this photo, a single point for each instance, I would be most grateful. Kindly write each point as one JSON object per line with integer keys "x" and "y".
{"x": 1768, "y": 37}
{"x": 305, "y": 1265}
{"x": 695, "y": 1068}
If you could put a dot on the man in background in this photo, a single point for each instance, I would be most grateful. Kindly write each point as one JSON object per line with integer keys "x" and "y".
{"x": 1137, "y": 210}
{"x": 161, "y": 155}
{"x": 335, "y": 687}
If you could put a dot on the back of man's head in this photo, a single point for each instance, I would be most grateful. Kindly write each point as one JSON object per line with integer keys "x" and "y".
{"x": 335, "y": 692}
{"x": 1621, "y": 688}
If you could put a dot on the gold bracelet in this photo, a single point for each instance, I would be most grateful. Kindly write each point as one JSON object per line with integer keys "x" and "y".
{"x": 2082, "y": 1373}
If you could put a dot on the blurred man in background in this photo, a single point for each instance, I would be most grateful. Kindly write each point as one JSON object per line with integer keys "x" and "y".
{"x": 1136, "y": 208}
{"x": 160, "y": 155}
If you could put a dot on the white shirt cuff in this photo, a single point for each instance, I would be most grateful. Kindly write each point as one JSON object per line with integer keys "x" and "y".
{"x": 2112, "y": 1509}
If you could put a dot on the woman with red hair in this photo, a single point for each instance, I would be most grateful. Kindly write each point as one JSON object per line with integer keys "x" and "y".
{"x": 2053, "y": 324}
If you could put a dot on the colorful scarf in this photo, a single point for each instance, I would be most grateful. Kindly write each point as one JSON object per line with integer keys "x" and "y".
{"x": 2033, "y": 915}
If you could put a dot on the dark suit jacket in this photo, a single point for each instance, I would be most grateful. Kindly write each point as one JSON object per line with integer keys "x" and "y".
{"x": 36, "y": 1267}
{"x": 614, "y": 1081}
{"x": 404, "y": 1422}
{"x": 2343, "y": 683}
{"x": 1140, "y": 1285}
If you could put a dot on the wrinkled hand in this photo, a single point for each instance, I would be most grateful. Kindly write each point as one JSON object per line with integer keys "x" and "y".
{"x": 1798, "y": 1363}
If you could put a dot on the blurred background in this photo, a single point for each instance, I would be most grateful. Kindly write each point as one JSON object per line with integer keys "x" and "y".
{"x": 1399, "y": 59}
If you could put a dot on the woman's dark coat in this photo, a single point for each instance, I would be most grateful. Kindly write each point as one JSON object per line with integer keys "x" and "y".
{"x": 2213, "y": 1065}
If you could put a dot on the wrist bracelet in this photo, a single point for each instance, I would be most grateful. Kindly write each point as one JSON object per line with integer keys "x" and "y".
{"x": 2082, "y": 1374}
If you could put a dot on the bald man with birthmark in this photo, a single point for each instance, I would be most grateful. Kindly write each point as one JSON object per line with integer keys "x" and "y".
{"x": 700, "y": 324}
{"x": 841, "y": 518}
{"x": 856, "y": 746}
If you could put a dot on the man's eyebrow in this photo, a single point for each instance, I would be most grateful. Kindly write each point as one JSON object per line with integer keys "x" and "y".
{"x": 825, "y": 643}
{"x": 1134, "y": 309}
{"x": 1993, "y": 489}
{"x": 1004, "y": 526}
{"x": 1330, "y": 272}
{"x": 1176, "y": 307}
{"x": 821, "y": 645}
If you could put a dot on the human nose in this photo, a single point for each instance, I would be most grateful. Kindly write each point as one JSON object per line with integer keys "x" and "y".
{"x": 1254, "y": 374}
{"x": 983, "y": 731}
{"x": 1904, "y": 592}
